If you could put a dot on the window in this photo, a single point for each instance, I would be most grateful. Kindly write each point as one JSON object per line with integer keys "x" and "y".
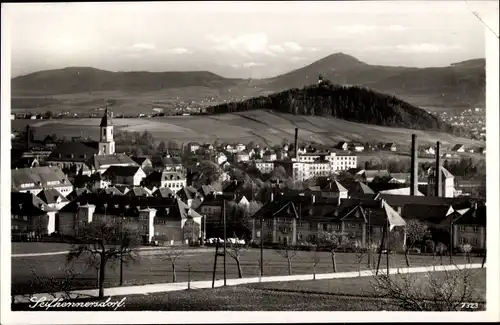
{"x": 475, "y": 241}
{"x": 462, "y": 228}
{"x": 25, "y": 218}
{"x": 325, "y": 227}
{"x": 463, "y": 240}
{"x": 269, "y": 234}
{"x": 476, "y": 228}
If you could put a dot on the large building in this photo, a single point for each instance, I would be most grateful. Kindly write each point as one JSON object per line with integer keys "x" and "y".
{"x": 34, "y": 180}
{"x": 106, "y": 142}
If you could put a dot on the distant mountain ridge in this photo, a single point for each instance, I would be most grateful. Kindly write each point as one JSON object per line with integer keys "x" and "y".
{"x": 462, "y": 83}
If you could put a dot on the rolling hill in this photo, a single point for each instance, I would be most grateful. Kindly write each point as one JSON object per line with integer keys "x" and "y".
{"x": 348, "y": 103}
{"x": 461, "y": 84}
{"x": 85, "y": 79}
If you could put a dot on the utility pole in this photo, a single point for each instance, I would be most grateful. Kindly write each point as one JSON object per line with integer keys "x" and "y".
{"x": 225, "y": 237}
{"x": 261, "y": 245}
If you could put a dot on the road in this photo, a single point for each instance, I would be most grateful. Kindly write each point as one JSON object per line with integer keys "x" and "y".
{"x": 32, "y": 273}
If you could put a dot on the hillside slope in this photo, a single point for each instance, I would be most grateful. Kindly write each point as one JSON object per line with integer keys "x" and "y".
{"x": 349, "y": 103}
{"x": 85, "y": 79}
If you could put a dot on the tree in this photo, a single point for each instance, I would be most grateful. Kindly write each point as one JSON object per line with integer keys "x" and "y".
{"x": 289, "y": 253}
{"x": 171, "y": 255}
{"x": 438, "y": 291}
{"x": 415, "y": 233}
{"x": 235, "y": 249}
{"x": 48, "y": 115}
{"x": 466, "y": 249}
{"x": 162, "y": 147}
{"x": 441, "y": 250}
{"x": 333, "y": 241}
{"x": 137, "y": 152}
{"x": 315, "y": 259}
{"x": 100, "y": 243}
{"x": 211, "y": 172}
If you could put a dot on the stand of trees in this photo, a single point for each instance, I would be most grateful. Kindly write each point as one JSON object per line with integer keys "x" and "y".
{"x": 350, "y": 103}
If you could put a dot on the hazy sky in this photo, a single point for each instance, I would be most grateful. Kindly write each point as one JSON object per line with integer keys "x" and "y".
{"x": 242, "y": 39}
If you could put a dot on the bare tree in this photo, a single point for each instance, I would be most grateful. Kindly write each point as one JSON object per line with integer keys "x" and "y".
{"x": 235, "y": 249}
{"x": 56, "y": 287}
{"x": 439, "y": 291}
{"x": 360, "y": 254}
{"x": 101, "y": 243}
{"x": 172, "y": 254}
{"x": 441, "y": 249}
{"x": 333, "y": 241}
{"x": 466, "y": 249}
{"x": 315, "y": 258}
{"x": 415, "y": 233}
{"x": 431, "y": 245}
{"x": 289, "y": 253}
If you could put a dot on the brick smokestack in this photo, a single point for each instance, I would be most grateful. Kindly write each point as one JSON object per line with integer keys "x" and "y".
{"x": 28, "y": 137}
{"x": 438, "y": 181}
{"x": 296, "y": 144}
{"x": 414, "y": 165}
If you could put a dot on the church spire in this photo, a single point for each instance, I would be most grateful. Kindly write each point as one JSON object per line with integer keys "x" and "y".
{"x": 106, "y": 119}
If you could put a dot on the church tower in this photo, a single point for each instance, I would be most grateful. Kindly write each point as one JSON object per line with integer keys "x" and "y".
{"x": 106, "y": 142}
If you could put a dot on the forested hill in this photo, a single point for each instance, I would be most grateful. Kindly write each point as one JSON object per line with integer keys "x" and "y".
{"x": 349, "y": 103}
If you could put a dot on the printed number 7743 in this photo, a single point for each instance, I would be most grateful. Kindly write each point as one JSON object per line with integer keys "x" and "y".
{"x": 470, "y": 305}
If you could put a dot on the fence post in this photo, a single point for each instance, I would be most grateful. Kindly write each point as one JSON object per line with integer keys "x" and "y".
{"x": 189, "y": 276}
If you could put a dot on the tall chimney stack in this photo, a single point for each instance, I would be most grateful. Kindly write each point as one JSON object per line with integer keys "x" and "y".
{"x": 297, "y": 144}
{"x": 414, "y": 165}
{"x": 28, "y": 137}
{"x": 438, "y": 181}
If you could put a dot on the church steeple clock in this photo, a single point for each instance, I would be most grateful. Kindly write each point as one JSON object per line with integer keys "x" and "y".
{"x": 106, "y": 142}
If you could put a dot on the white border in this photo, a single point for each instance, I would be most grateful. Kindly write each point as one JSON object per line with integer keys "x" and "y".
{"x": 493, "y": 227}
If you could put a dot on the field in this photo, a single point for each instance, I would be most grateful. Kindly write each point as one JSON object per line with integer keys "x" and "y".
{"x": 152, "y": 267}
{"x": 259, "y": 126}
{"x": 353, "y": 294}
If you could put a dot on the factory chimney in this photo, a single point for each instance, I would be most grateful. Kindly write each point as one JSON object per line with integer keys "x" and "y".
{"x": 296, "y": 144}
{"x": 438, "y": 181}
{"x": 414, "y": 165}
{"x": 28, "y": 137}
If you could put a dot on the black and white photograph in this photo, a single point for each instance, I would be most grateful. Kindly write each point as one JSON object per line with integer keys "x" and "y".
{"x": 239, "y": 156}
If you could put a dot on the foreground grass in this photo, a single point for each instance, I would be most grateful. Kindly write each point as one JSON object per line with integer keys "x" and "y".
{"x": 362, "y": 286}
{"x": 149, "y": 269}
{"x": 353, "y": 294}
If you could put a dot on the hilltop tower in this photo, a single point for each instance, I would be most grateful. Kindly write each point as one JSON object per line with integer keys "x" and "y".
{"x": 106, "y": 142}
{"x": 320, "y": 79}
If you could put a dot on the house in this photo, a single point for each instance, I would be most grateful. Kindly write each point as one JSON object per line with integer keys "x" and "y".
{"x": 264, "y": 167}
{"x": 31, "y": 218}
{"x": 458, "y": 148}
{"x": 193, "y": 147}
{"x": 357, "y": 147}
{"x": 73, "y": 154}
{"x": 211, "y": 207}
{"x": 333, "y": 189}
{"x": 289, "y": 222}
{"x": 144, "y": 162}
{"x": 169, "y": 222}
{"x": 240, "y": 147}
{"x": 269, "y": 155}
{"x": 220, "y": 158}
{"x": 242, "y": 156}
{"x": 342, "y": 161}
{"x": 390, "y": 146}
{"x": 429, "y": 150}
{"x": 138, "y": 191}
{"x": 164, "y": 192}
{"x": 188, "y": 194}
{"x": 100, "y": 163}
{"x": 360, "y": 190}
{"x": 53, "y": 198}
{"x": 343, "y": 145}
{"x": 370, "y": 175}
{"x": 401, "y": 178}
{"x": 37, "y": 179}
{"x": 171, "y": 179}
{"x": 126, "y": 175}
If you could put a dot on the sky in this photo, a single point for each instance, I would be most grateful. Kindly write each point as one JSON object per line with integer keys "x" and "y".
{"x": 243, "y": 39}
